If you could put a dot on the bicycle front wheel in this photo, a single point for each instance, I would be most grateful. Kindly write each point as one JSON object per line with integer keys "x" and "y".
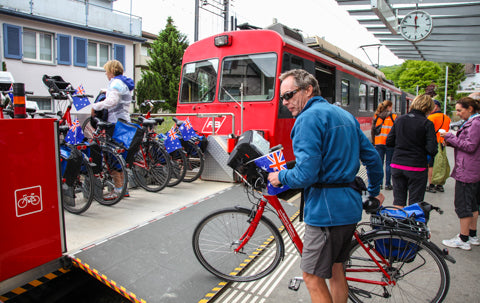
{"x": 78, "y": 197}
{"x": 419, "y": 273}
{"x": 111, "y": 183}
{"x": 178, "y": 159}
{"x": 152, "y": 167}
{"x": 195, "y": 161}
{"x": 218, "y": 235}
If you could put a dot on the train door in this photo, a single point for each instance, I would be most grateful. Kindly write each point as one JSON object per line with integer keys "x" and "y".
{"x": 326, "y": 80}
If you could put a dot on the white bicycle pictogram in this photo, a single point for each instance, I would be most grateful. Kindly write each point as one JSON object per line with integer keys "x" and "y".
{"x": 32, "y": 199}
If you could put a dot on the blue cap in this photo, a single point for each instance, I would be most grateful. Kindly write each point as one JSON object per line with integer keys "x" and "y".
{"x": 437, "y": 103}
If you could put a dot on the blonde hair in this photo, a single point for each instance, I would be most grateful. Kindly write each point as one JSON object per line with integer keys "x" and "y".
{"x": 423, "y": 103}
{"x": 114, "y": 67}
{"x": 383, "y": 106}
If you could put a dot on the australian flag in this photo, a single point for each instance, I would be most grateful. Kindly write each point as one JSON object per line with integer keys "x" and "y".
{"x": 271, "y": 163}
{"x": 79, "y": 102}
{"x": 75, "y": 133}
{"x": 187, "y": 130}
{"x": 172, "y": 143}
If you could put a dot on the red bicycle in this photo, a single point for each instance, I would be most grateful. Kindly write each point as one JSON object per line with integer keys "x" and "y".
{"x": 392, "y": 261}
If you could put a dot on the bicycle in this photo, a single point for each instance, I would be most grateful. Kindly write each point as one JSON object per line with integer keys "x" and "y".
{"x": 178, "y": 157}
{"x": 195, "y": 155}
{"x": 238, "y": 244}
{"x": 76, "y": 167}
{"x": 28, "y": 199}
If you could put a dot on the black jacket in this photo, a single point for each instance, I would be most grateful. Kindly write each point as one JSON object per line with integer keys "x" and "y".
{"x": 413, "y": 137}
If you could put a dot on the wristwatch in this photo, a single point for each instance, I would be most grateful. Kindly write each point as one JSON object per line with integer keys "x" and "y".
{"x": 416, "y": 26}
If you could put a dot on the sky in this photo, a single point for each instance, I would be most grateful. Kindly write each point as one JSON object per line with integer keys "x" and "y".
{"x": 322, "y": 18}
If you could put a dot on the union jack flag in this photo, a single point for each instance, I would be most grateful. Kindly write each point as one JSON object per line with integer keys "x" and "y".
{"x": 80, "y": 102}
{"x": 271, "y": 163}
{"x": 75, "y": 133}
{"x": 172, "y": 143}
{"x": 187, "y": 130}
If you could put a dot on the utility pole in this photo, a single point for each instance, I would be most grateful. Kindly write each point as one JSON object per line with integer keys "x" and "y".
{"x": 214, "y": 7}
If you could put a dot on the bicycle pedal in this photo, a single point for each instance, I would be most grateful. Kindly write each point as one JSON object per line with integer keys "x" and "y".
{"x": 295, "y": 283}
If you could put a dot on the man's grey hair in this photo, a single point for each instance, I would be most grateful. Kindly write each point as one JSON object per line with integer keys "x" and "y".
{"x": 302, "y": 79}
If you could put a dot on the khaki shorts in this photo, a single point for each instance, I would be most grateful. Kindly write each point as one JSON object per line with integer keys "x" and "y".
{"x": 324, "y": 246}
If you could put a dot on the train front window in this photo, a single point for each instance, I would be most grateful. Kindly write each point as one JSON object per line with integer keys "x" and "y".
{"x": 250, "y": 76}
{"x": 199, "y": 81}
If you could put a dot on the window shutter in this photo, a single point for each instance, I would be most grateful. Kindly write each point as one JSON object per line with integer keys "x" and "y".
{"x": 79, "y": 51}
{"x": 12, "y": 41}
{"x": 64, "y": 49}
{"x": 119, "y": 53}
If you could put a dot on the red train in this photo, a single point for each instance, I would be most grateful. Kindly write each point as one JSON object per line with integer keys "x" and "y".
{"x": 222, "y": 73}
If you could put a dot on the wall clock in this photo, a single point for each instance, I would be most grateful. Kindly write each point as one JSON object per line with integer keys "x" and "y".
{"x": 416, "y": 26}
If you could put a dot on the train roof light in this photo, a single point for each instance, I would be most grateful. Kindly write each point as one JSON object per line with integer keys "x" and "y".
{"x": 224, "y": 40}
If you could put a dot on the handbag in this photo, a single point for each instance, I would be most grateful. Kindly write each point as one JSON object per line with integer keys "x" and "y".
{"x": 441, "y": 167}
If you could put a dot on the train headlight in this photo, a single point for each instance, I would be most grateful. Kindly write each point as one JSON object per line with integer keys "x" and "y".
{"x": 224, "y": 40}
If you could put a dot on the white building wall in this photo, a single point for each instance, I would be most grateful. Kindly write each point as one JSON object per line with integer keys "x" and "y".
{"x": 92, "y": 79}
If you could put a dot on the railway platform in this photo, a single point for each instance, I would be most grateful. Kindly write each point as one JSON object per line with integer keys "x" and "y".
{"x": 142, "y": 249}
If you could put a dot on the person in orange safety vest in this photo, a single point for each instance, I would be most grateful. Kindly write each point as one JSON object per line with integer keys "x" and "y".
{"x": 440, "y": 121}
{"x": 381, "y": 125}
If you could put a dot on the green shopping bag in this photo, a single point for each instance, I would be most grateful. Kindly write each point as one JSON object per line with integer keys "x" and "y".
{"x": 441, "y": 167}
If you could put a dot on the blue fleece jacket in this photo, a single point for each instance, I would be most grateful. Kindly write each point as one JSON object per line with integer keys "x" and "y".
{"x": 328, "y": 143}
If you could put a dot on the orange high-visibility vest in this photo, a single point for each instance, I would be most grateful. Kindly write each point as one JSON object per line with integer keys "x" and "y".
{"x": 440, "y": 121}
{"x": 381, "y": 139}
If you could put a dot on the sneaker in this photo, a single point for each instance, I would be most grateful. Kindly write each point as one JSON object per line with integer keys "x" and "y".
{"x": 127, "y": 194}
{"x": 439, "y": 188}
{"x": 431, "y": 188}
{"x": 388, "y": 187}
{"x": 473, "y": 240}
{"x": 110, "y": 196}
{"x": 457, "y": 242}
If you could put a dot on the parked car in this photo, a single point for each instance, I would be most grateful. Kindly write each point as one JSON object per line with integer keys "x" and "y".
{"x": 456, "y": 125}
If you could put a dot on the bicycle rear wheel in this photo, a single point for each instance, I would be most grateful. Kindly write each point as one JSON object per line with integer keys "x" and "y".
{"x": 113, "y": 167}
{"x": 195, "y": 161}
{"x": 78, "y": 197}
{"x": 152, "y": 167}
{"x": 218, "y": 235}
{"x": 178, "y": 159}
{"x": 419, "y": 272}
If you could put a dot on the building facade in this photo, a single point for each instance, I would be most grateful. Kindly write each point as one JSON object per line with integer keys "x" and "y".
{"x": 69, "y": 38}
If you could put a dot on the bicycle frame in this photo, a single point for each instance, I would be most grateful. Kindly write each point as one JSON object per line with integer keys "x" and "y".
{"x": 275, "y": 203}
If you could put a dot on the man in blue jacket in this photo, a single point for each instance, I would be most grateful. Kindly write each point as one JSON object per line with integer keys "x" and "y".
{"x": 328, "y": 144}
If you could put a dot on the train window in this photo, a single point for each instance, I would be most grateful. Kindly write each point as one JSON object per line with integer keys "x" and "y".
{"x": 345, "y": 92}
{"x": 295, "y": 62}
{"x": 388, "y": 96}
{"x": 199, "y": 81}
{"x": 362, "y": 90}
{"x": 250, "y": 76}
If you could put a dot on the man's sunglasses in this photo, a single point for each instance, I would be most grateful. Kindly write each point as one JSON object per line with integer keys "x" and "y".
{"x": 288, "y": 95}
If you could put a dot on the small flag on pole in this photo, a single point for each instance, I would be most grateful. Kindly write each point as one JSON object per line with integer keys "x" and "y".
{"x": 80, "y": 102}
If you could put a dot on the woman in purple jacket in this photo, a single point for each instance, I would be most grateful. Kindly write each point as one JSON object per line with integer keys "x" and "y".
{"x": 466, "y": 172}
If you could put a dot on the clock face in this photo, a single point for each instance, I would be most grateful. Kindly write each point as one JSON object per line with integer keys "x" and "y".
{"x": 416, "y": 26}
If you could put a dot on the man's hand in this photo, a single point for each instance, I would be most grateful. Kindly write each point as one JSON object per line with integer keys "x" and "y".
{"x": 273, "y": 178}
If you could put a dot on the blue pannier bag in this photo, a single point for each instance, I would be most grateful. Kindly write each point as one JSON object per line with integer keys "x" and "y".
{"x": 70, "y": 164}
{"x": 412, "y": 218}
{"x": 131, "y": 136}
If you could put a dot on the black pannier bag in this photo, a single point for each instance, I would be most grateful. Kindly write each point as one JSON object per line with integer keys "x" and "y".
{"x": 71, "y": 163}
{"x": 250, "y": 145}
{"x": 95, "y": 154}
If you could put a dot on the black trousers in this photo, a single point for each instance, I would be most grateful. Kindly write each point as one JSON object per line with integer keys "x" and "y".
{"x": 408, "y": 183}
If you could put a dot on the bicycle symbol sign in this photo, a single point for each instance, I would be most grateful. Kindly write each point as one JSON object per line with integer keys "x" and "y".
{"x": 28, "y": 200}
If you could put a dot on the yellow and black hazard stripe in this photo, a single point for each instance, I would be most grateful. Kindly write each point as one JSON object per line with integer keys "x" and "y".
{"x": 221, "y": 286}
{"x": 31, "y": 285}
{"x": 102, "y": 278}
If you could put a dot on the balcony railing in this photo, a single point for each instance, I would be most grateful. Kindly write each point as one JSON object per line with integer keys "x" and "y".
{"x": 79, "y": 13}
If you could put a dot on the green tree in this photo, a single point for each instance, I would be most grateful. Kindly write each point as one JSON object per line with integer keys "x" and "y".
{"x": 418, "y": 73}
{"x": 160, "y": 81}
{"x": 456, "y": 74}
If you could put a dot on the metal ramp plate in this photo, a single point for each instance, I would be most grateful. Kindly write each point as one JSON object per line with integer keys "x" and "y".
{"x": 154, "y": 262}
{"x": 216, "y": 157}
